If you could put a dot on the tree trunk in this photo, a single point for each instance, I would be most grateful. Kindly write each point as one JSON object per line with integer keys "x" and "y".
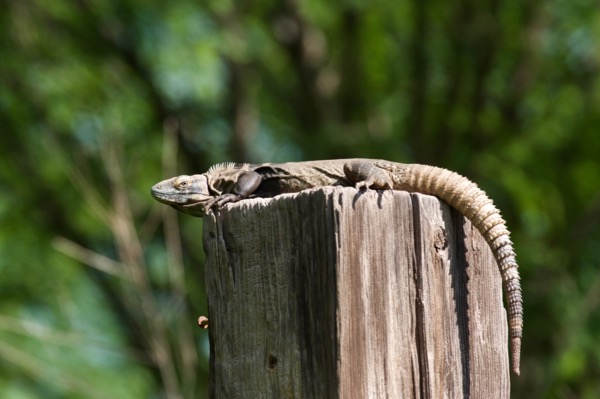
{"x": 334, "y": 293}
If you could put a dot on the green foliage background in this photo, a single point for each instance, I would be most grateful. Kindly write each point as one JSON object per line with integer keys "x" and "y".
{"x": 100, "y": 287}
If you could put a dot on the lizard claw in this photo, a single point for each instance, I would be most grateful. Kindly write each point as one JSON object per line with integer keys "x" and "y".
{"x": 218, "y": 202}
{"x": 362, "y": 185}
{"x": 209, "y": 205}
{"x": 226, "y": 199}
{"x": 374, "y": 184}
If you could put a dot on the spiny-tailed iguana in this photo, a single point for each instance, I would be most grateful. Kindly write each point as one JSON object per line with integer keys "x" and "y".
{"x": 230, "y": 182}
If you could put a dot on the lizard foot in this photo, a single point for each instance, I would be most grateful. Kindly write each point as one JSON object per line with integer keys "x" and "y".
{"x": 373, "y": 183}
{"x": 367, "y": 175}
{"x": 221, "y": 200}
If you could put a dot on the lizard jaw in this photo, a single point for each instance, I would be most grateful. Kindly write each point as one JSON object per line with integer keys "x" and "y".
{"x": 197, "y": 208}
{"x": 192, "y": 204}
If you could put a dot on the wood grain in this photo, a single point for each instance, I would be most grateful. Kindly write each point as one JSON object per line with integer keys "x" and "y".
{"x": 334, "y": 293}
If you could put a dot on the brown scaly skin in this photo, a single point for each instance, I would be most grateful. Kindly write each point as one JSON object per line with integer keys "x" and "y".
{"x": 224, "y": 183}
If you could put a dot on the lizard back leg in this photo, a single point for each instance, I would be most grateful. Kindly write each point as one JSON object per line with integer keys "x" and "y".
{"x": 367, "y": 175}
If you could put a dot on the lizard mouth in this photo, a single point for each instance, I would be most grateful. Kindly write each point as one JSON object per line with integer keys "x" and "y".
{"x": 195, "y": 200}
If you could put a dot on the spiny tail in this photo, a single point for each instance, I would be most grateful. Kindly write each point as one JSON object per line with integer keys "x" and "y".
{"x": 474, "y": 204}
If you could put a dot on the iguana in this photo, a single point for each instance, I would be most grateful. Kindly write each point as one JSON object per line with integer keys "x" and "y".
{"x": 230, "y": 182}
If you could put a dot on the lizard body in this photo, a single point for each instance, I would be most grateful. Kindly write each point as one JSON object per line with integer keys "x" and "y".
{"x": 229, "y": 182}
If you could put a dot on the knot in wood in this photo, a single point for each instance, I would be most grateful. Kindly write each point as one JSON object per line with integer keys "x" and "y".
{"x": 440, "y": 241}
{"x": 271, "y": 361}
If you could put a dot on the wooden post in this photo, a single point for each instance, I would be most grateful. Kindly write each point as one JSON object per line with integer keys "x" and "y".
{"x": 333, "y": 293}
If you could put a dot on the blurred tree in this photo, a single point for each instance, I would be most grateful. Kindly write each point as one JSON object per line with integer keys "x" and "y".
{"x": 100, "y": 99}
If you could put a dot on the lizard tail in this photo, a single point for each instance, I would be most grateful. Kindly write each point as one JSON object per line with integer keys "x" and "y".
{"x": 471, "y": 201}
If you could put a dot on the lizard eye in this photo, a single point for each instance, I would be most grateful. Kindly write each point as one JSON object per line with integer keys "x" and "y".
{"x": 181, "y": 183}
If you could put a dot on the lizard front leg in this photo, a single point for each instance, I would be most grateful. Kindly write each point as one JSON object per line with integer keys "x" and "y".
{"x": 367, "y": 175}
{"x": 246, "y": 184}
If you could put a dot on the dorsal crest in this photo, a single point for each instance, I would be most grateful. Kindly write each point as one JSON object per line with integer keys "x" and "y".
{"x": 225, "y": 165}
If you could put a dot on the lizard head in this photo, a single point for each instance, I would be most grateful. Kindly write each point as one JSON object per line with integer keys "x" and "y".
{"x": 188, "y": 194}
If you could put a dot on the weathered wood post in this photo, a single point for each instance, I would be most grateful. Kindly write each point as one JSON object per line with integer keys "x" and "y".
{"x": 333, "y": 293}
